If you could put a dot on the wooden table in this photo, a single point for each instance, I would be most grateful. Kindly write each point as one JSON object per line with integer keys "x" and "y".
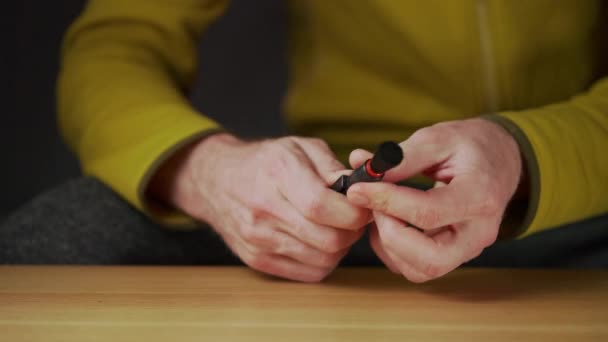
{"x": 235, "y": 304}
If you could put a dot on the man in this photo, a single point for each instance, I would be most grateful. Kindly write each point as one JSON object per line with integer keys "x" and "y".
{"x": 500, "y": 104}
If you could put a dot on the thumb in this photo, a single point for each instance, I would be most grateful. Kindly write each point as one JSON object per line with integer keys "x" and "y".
{"x": 421, "y": 152}
{"x": 358, "y": 157}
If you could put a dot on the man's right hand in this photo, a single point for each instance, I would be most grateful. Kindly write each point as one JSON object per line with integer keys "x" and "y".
{"x": 269, "y": 201}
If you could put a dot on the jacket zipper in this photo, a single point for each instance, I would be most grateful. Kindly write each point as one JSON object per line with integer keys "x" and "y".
{"x": 488, "y": 67}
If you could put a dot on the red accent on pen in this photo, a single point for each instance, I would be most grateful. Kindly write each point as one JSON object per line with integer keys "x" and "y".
{"x": 368, "y": 169}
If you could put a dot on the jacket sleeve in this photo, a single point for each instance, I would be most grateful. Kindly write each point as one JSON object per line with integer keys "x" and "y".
{"x": 126, "y": 66}
{"x": 565, "y": 146}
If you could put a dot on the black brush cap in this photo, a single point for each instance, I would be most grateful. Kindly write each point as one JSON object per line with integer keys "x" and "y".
{"x": 388, "y": 155}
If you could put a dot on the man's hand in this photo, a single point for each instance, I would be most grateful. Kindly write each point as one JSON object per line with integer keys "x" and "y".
{"x": 269, "y": 201}
{"x": 477, "y": 167}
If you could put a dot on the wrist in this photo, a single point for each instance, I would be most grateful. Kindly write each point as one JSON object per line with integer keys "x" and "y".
{"x": 523, "y": 204}
{"x": 516, "y": 156}
{"x": 174, "y": 183}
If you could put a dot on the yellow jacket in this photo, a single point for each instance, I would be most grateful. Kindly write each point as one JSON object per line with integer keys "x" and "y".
{"x": 375, "y": 70}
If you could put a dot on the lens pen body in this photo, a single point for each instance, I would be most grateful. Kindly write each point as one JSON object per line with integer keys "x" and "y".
{"x": 388, "y": 155}
{"x": 360, "y": 174}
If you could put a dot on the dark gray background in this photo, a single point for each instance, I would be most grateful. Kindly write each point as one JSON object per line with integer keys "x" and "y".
{"x": 241, "y": 79}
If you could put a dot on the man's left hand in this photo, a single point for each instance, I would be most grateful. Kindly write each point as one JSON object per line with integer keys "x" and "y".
{"x": 425, "y": 234}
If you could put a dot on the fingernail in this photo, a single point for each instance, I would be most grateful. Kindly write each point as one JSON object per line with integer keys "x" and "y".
{"x": 358, "y": 199}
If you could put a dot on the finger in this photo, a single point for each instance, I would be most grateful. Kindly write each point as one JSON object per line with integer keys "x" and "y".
{"x": 304, "y": 189}
{"x": 271, "y": 240}
{"x": 485, "y": 232}
{"x": 323, "y": 158}
{"x": 374, "y": 240}
{"x": 443, "y": 236}
{"x": 287, "y": 245}
{"x": 358, "y": 157}
{"x": 392, "y": 261}
{"x": 323, "y": 238}
{"x": 276, "y": 265}
{"x": 431, "y": 232}
{"x": 326, "y": 164}
{"x": 420, "y": 152}
{"x": 337, "y": 174}
{"x": 433, "y": 256}
{"x": 439, "y": 184}
{"x": 407, "y": 270}
{"x": 431, "y": 209}
{"x": 330, "y": 169}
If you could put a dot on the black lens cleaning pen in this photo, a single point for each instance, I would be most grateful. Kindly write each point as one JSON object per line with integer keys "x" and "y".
{"x": 388, "y": 155}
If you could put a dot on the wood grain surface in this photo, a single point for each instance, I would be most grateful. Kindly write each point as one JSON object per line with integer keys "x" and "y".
{"x": 66, "y": 303}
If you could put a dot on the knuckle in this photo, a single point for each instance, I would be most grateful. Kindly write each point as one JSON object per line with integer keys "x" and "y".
{"x": 320, "y": 143}
{"x": 488, "y": 239}
{"x": 313, "y": 206}
{"x": 427, "y": 218}
{"x": 298, "y": 228}
{"x": 262, "y": 205}
{"x": 421, "y": 134}
{"x": 362, "y": 220}
{"x": 252, "y": 235}
{"x": 381, "y": 201}
{"x": 434, "y": 266}
{"x": 433, "y": 269}
{"x": 388, "y": 236}
{"x": 259, "y": 262}
{"x": 288, "y": 142}
{"x": 327, "y": 260}
{"x": 486, "y": 201}
{"x": 431, "y": 134}
{"x": 491, "y": 205}
{"x": 447, "y": 129}
{"x": 474, "y": 254}
{"x": 282, "y": 155}
{"x": 279, "y": 165}
{"x": 255, "y": 214}
{"x": 417, "y": 278}
{"x": 333, "y": 243}
{"x": 281, "y": 245}
{"x": 247, "y": 233}
{"x": 318, "y": 275}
